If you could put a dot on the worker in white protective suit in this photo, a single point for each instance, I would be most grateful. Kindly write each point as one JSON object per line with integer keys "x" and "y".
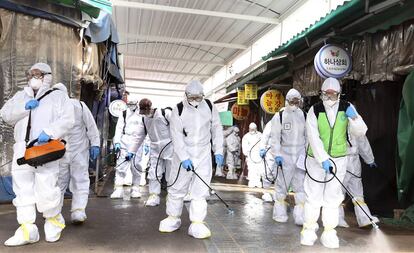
{"x": 251, "y": 149}
{"x": 327, "y": 124}
{"x": 219, "y": 169}
{"x": 353, "y": 181}
{"x": 195, "y": 131}
{"x": 126, "y": 133}
{"x": 288, "y": 142}
{"x": 269, "y": 167}
{"x": 155, "y": 124}
{"x": 51, "y": 118}
{"x": 233, "y": 148}
{"x": 73, "y": 171}
{"x": 141, "y": 161}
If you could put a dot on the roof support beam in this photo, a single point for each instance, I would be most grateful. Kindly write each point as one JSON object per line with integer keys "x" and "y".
{"x": 157, "y": 7}
{"x": 153, "y": 81}
{"x": 145, "y": 37}
{"x": 153, "y": 57}
{"x": 168, "y": 72}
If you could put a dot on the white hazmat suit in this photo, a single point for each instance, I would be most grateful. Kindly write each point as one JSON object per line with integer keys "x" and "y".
{"x": 267, "y": 175}
{"x": 158, "y": 129}
{"x": 232, "y": 151}
{"x": 37, "y": 187}
{"x": 288, "y": 142}
{"x": 251, "y": 149}
{"x": 194, "y": 134}
{"x": 126, "y": 134}
{"x": 73, "y": 171}
{"x": 219, "y": 169}
{"x": 353, "y": 181}
{"x": 327, "y": 195}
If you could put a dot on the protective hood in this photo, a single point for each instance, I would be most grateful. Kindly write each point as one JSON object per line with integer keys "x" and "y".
{"x": 331, "y": 84}
{"x": 42, "y": 67}
{"x": 61, "y": 87}
{"x": 194, "y": 87}
{"x": 293, "y": 93}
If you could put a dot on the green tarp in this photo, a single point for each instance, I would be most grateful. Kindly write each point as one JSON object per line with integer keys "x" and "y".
{"x": 405, "y": 137}
{"x": 226, "y": 118}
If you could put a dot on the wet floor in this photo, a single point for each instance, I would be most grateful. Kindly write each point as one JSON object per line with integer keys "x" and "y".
{"x": 120, "y": 226}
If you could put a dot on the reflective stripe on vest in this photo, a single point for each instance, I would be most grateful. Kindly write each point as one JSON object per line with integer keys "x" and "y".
{"x": 334, "y": 139}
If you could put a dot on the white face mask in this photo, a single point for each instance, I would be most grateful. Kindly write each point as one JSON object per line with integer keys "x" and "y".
{"x": 35, "y": 84}
{"x": 330, "y": 103}
{"x": 292, "y": 107}
{"x": 252, "y": 130}
{"x": 194, "y": 103}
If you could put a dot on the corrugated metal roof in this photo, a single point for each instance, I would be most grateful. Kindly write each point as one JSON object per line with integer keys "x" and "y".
{"x": 145, "y": 36}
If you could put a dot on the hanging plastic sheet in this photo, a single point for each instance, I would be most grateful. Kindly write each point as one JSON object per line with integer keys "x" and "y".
{"x": 307, "y": 81}
{"x": 405, "y": 161}
{"x": 25, "y": 40}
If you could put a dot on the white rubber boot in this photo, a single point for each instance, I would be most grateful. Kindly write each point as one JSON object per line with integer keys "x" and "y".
{"x": 170, "y": 224}
{"x": 26, "y": 234}
{"x": 53, "y": 228}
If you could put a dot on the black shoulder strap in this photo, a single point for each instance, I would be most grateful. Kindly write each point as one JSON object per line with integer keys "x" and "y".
{"x": 29, "y": 122}
{"x": 124, "y": 113}
{"x": 318, "y": 108}
{"x": 163, "y": 114}
{"x": 145, "y": 127}
{"x": 180, "y": 107}
{"x": 210, "y": 105}
{"x": 343, "y": 105}
{"x": 281, "y": 116}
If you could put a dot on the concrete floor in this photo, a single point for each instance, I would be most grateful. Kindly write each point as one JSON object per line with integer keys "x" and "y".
{"x": 119, "y": 226}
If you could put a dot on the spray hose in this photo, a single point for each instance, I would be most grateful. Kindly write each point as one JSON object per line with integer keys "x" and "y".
{"x": 230, "y": 210}
{"x": 266, "y": 167}
{"x": 156, "y": 167}
{"x": 333, "y": 170}
{"x": 374, "y": 225}
{"x": 250, "y": 151}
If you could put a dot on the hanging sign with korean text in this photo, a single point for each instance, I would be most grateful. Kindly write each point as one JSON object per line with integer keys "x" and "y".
{"x": 250, "y": 91}
{"x": 241, "y": 100}
{"x": 272, "y": 101}
{"x": 240, "y": 112}
{"x": 332, "y": 61}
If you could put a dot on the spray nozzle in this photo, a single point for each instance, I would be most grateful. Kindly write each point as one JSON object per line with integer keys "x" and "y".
{"x": 230, "y": 211}
{"x": 374, "y": 225}
{"x": 331, "y": 170}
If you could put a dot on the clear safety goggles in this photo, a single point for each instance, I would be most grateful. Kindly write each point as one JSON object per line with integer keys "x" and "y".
{"x": 197, "y": 98}
{"x": 36, "y": 74}
{"x": 295, "y": 101}
{"x": 329, "y": 95}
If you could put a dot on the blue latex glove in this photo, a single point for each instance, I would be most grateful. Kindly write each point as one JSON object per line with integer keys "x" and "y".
{"x": 129, "y": 156}
{"x": 187, "y": 164}
{"x": 373, "y": 165}
{"x": 43, "y": 138}
{"x": 117, "y": 147}
{"x": 94, "y": 152}
{"x": 326, "y": 166}
{"x": 219, "y": 160}
{"x": 279, "y": 160}
{"x": 350, "y": 112}
{"x": 263, "y": 153}
{"x": 31, "y": 104}
{"x": 146, "y": 149}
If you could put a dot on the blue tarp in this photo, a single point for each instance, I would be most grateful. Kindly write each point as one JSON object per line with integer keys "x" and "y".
{"x": 6, "y": 189}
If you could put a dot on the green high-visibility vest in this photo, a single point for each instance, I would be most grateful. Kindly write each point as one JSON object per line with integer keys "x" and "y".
{"x": 334, "y": 138}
